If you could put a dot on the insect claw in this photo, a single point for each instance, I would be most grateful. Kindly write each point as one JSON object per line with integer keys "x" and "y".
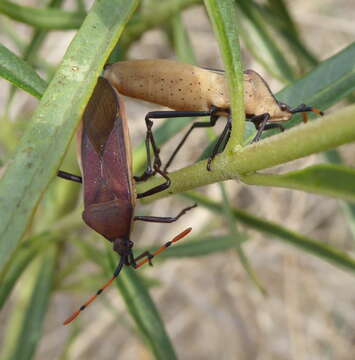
{"x": 150, "y": 257}
{"x": 209, "y": 162}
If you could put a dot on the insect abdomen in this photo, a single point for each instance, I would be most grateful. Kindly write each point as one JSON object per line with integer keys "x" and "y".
{"x": 169, "y": 83}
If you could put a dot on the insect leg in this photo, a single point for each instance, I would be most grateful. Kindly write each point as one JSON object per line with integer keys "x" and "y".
{"x": 149, "y": 141}
{"x": 69, "y": 176}
{"x": 211, "y": 123}
{"x": 274, "y": 126}
{"x": 260, "y": 123}
{"x": 213, "y": 119}
{"x": 145, "y": 254}
{"x": 159, "y": 219}
{"x": 225, "y": 135}
{"x": 157, "y": 188}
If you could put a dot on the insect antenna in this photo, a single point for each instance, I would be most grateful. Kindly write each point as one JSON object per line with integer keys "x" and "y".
{"x": 162, "y": 248}
{"x": 118, "y": 270}
{"x": 98, "y": 292}
{"x": 304, "y": 109}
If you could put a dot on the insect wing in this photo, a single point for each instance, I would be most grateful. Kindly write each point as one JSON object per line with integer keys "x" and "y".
{"x": 106, "y": 175}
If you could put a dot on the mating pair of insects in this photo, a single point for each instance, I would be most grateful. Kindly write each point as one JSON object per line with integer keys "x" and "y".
{"x": 105, "y": 150}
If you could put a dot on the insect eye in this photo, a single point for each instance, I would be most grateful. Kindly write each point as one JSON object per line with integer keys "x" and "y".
{"x": 283, "y": 107}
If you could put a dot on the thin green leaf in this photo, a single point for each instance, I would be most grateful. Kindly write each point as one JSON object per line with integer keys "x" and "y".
{"x": 324, "y": 179}
{"x": 324, "y": 251}
{"x": 328, "y": 83}
{"x": 23, "y": 257}
{"x": 43, "y": 145}
{"x": 223, "y": 15}
{"x": 38, "y": 37}
{"x": 145, "y": 314}
{"x": 29, "y": 54}
{"x": 279, "y": 18}
{"x": 261, "y": 43}
{"x": 30, "y": 333}
{"x": 348, "y": 208}
{"x": 181, "y": 41}
{"x": 51, "y": 19}
{"x": 20, "y": 73}
{"x": 228, "y": 211}
{"x": 7, "y": 29}
{"x": 349, "y": 211}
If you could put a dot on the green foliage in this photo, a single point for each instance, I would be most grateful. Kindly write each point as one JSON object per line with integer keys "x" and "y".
{"x": 144, "y": 312}
{"x": 20, "y": 73}
{"x": 44, "y": 213}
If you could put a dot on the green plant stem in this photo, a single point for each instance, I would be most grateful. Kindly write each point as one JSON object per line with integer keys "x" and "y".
{"x": 319, "y": 135}
{"x": 223, "y": 15}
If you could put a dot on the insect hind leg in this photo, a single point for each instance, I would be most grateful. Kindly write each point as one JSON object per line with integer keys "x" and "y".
{"x": 150, "y": 141}
{"x": 212, "y": 122}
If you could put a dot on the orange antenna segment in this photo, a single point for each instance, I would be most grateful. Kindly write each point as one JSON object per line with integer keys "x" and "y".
{"x": 164, "y": 247}
{"x": 84, "y": 306}
{"x": 317, "y": 111}
{"x": 73, "y": 316}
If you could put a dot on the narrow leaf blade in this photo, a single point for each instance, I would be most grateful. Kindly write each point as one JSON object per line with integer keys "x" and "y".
{"x": 324, "y": 251}
{"x": 144, "y": 312}
{"x": 20, "y": 74}
{"x": 324, "y": 179}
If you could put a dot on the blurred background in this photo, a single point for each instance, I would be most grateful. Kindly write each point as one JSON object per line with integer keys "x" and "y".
{"x": 210, "y": 307}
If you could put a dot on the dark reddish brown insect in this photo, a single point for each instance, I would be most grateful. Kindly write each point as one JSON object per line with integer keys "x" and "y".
{"x": 109, "y": 187}
{"x": 195, "y": 91}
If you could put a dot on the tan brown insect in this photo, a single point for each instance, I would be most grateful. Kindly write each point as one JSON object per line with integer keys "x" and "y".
{"x": 196, "y": 91}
